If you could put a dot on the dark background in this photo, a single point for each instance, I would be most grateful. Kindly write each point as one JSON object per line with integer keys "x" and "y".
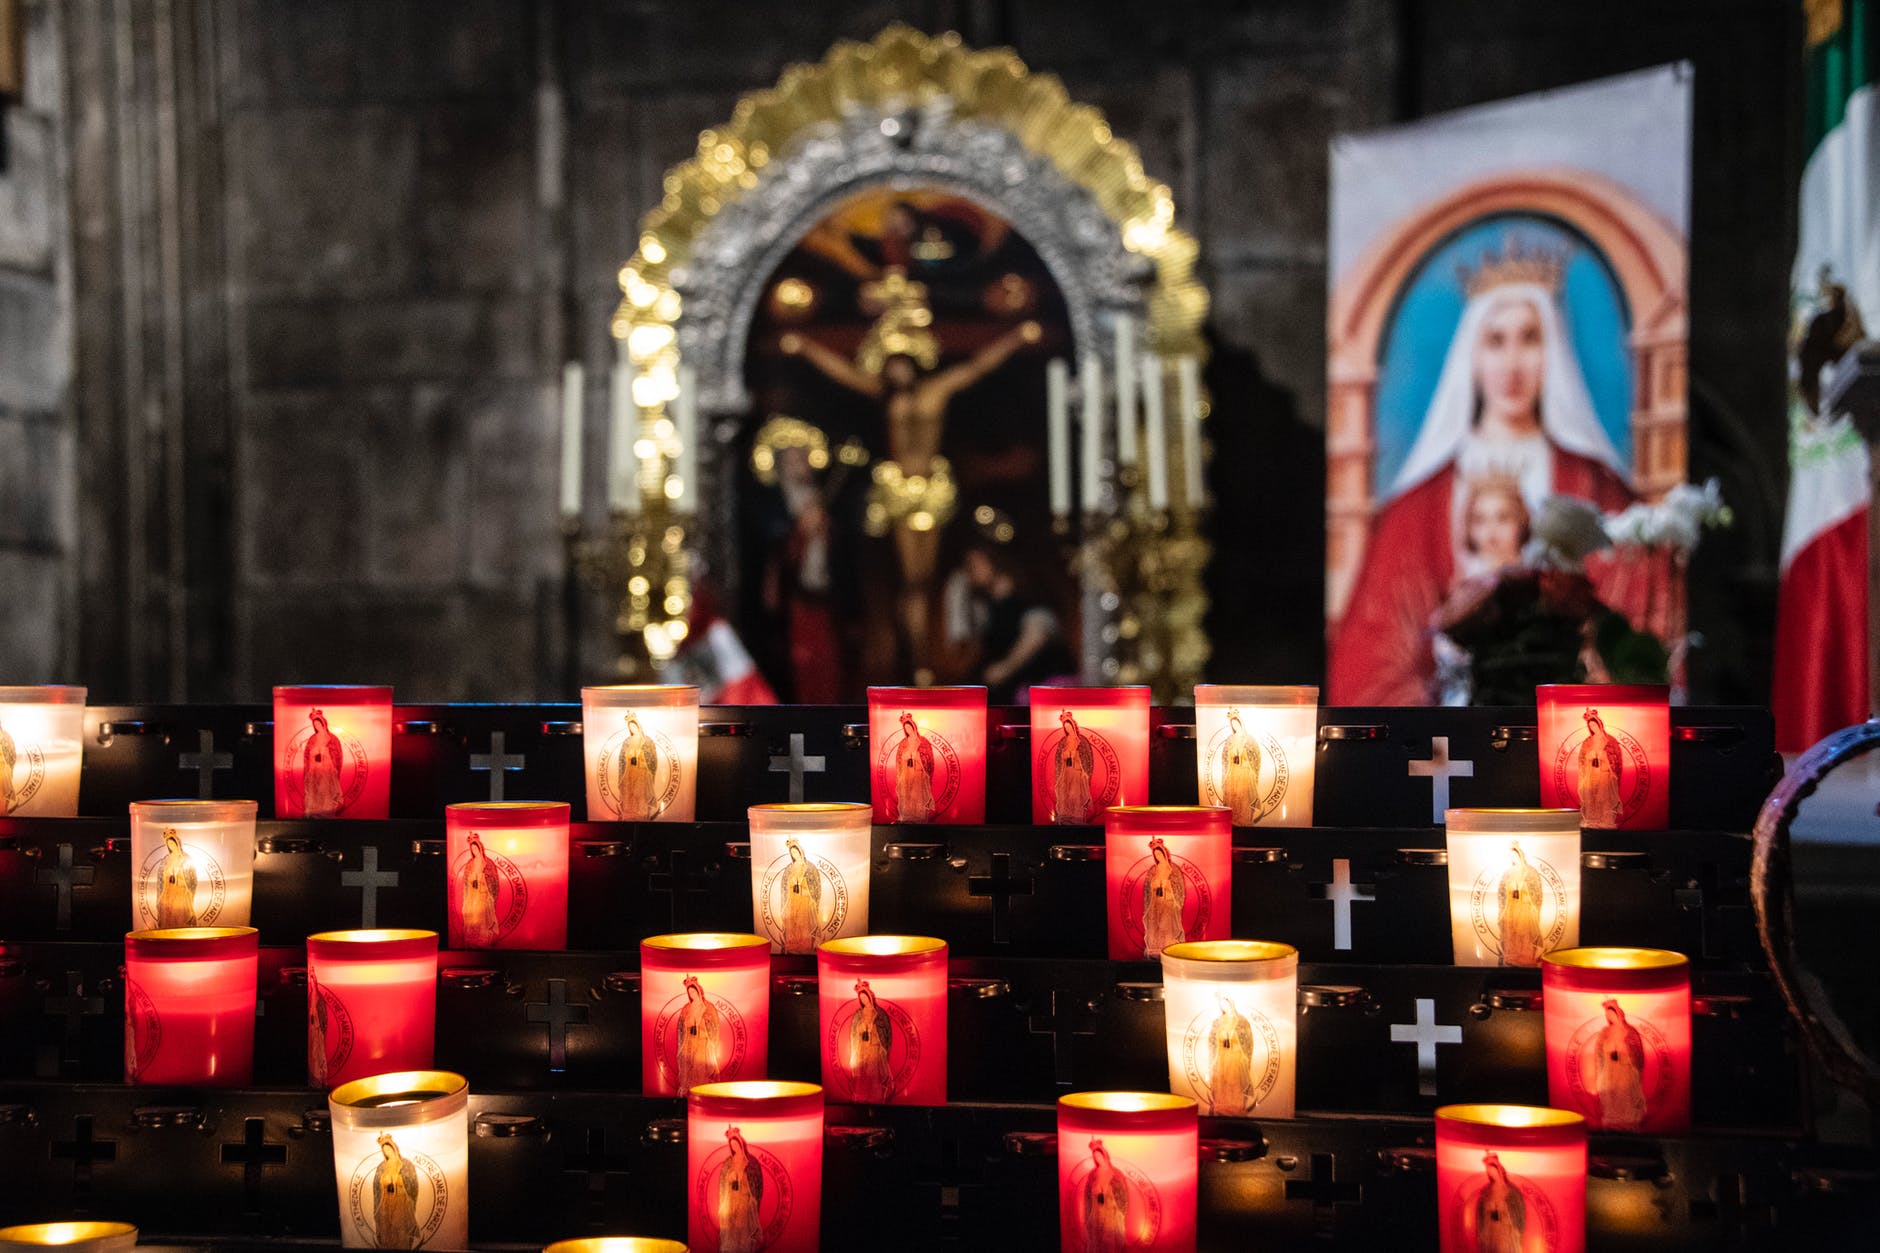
{"x": 285, "y": 287}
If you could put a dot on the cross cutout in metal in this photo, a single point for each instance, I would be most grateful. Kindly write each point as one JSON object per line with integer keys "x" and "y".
{"x": 1324, "y": 1189}
{"x": 74, "y": 1006}
{"x": 678, "y": 883}
{"x": 81, "y": 1150}
{"x": 205, "y": 761}
{"x": 797, "y": 765}
{"x": 498, "y": 763}
{"x": 1439, "y": 770}
{"x": 62, "y": 878}
{"x": 598, "y": 1165}
{"x": 1058, "y": 1025}
{"x": 1341, "y": 892}
{"x": 368, "y": 879}
{"x": 255, "y": 1154}
{"x": 1001, "y": 887}
{"x": 1426, "y": 1033}
{"x": 558, "y": 1015}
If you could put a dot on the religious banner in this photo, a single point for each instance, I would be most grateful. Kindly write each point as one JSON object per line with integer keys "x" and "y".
{"x": 1507, "y": 324}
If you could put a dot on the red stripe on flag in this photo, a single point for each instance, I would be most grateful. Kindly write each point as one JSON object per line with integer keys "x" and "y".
{"x": 1821, "y": 637}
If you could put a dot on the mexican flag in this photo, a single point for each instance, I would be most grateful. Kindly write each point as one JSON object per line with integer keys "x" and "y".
{"x": 1821, "y": 679}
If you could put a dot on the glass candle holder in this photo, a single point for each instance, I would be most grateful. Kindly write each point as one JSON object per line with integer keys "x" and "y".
{"x": 1606, "y": 751}
{"x": 615, "y": 1244}
{"x": 70, "y": 1237}
{"x": 508, "y": 884}
{"x": 1256, "y": 752}
{"x": 332, "y": 752}
{"x": 883, "y": 1003}
{"x": 371, "y": 1004}
{"x": 641, "y": 742}
{"x": 1232, "y": 1009}
{"x": 1169, "y": 871}
{"x": 1618, "y": 1026}
{"x": 809, "y": 873}
{"x": 754, "y": 1166}
{"x": 704, "y": 1010}
{"x": 194, "y": 863}
{"x": 1127, "y": 1170}
{"x": 1510, "y": 1177}
{"x": 1514, "y": 884}
{"x": 189, "y": 1006}
{"x": 929, "y": 751}
{"x": 42, "y": 736}
{"x": 1089, "y": 751}
{"x": 401, "y": 1158}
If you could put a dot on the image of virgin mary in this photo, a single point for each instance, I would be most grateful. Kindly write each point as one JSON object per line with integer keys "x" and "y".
{"x": 1511, "y": 400}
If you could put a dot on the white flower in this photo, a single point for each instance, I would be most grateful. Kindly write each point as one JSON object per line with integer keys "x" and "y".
{"x": 1566, "y": 531}
{"x": 1677, "y": 522}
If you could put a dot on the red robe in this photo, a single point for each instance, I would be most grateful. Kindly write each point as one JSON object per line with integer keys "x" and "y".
{"x": 1381, "y": 653}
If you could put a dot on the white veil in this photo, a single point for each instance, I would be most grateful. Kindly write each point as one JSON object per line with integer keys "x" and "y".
{"x": 1567, "y": 415}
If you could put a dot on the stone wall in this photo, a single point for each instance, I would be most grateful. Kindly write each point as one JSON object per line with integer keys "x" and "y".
{"x": 324, "y": 296}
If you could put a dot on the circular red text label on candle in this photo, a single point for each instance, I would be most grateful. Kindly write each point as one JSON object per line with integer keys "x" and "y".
{"x": 398, "y": 1198}
{"x": 1519, "y": 909}
{"x": 1232, "y": 1056}
{"x": 1110, "y": 1205}
{"x": 743, "y": 1194}
{"x": 638, "y": 771}
{"x": 493, "y": 895}
{"x": 699, "y": 1037}
{"x": 874, "y": 1048}
{"x": 1603, "y": 770}
{"x": 1245, "y": 771}
{"x": 1078, "y": 774}
{"x": 329, "y": 1031}
{"x": 22, "y": 771}
{"x": 180, "y": 885}
{"x": 805, "y": 900}
{"x": 326, "y": 769}
{"x": 143, "y": 1035}
{"x": 1497, "y": 1210}
{"x": 1618, "y": 1069}
{"x": 1165, "y": 900}
{"x": 922, "y": 771}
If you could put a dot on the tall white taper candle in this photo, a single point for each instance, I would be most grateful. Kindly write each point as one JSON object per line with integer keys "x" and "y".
{"x": 1091, "y": 380}
{"x": 685, "y": 426}
{"x": 623, "y": 431}
{"x": 1188, "y": 372}
{"x": 1125, "y": 390}
{"x": 571, "y": 409}
{"x": 1057, "y": 408}
{"x": 1155, "y": 419}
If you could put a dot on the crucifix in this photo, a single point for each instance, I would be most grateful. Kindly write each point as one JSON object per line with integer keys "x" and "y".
{"x": 797, "y": 765}
{"x": 1058, "y": 1025}
{"x": 255, "y": 1154}
{"x": 1001, "y": 886}
{"x": 62, "y": 878}
{"x": 498, "y": 763}
{"x": 369, "y": 879}
{"x": 1341, "y": 892}
{"x": 557, "y": 1015}
{"x": 1426, "y": 1033}
{"x": 205, "y": 761}
{"x": 1439, "y": 770}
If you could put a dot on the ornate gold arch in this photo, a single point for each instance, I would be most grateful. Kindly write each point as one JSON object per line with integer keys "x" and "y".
{"x": 1154, "y": 564}
{"x": 903, "y": 66}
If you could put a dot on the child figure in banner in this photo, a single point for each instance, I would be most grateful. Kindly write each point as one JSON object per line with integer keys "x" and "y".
{"x": 802, "y": 902}
{"x": 1619, "y": 1072}
{"x": 1600, "y": 775}
{"x": 1163, "y": 894}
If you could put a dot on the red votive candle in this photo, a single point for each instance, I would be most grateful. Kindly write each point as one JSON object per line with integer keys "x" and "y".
{"x": 883, "y": 1001}
{"x": 1089, "y": 751}
{"x": 1606, "y": 751}
{"x": 1169, "y": 873}
{"x": 371, "y": 1004}
{"x": 508, "y": 874}
{"x": 1618, "y": 1024}
{"x": 929, "y": 749}
{"x": 754, "y": 1166}
{"x": 1510, "y": 1177}
{"x": 1127, "y": 1167}
{"x": 704, "y": 1010}
{"x": 189, "y": 1006}
{"x": 332, "y": 752}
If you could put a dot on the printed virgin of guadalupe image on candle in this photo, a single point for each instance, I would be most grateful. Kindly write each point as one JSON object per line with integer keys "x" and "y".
{"x": 1073, "y": 768}
{"x": 1503, "y": 1213}
{"x": 866, "y": 1047}
{"x": 176, "y": 878}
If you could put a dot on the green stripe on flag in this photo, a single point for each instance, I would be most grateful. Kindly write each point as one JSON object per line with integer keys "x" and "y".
{"x": 1838, "y": 67}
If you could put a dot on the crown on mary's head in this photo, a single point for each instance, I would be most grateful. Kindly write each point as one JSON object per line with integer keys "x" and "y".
{"x": 1537, "y": 265}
